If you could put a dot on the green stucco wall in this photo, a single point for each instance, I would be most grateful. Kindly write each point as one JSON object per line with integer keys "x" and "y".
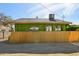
{"x": 42, "y": 26}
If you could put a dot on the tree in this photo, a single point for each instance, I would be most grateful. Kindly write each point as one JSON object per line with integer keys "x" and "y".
{"x": 5, "y": 21}
{"x": 8, "y": 22}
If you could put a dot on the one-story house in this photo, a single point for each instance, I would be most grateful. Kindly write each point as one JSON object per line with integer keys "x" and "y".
{"x": 41, "y": 24}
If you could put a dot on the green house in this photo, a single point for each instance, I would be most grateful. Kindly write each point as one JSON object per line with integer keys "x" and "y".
{"x": 41, "y": 24}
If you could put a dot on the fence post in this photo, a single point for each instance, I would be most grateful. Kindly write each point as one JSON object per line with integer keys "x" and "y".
{"x": 3, "y": 33}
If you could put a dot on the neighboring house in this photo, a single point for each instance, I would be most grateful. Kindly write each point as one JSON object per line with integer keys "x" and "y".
{"x": 6, "y": 26}
{"x": 6, "y": 23}
{"x": 40, "y": 24}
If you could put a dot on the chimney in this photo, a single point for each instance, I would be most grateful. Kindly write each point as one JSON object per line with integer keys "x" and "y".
{"x": 51, "y": 17}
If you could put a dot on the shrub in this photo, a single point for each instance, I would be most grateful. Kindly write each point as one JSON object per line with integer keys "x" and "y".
{"x": 77, "y": 29}
{"x": 71, "y": 28}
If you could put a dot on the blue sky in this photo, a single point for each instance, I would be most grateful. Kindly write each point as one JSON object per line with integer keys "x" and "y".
{"x": 31, "y": 10}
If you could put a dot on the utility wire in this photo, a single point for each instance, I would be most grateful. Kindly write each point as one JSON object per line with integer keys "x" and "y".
{"x": 46, "y": 8}
{"x": 52, "y": 11}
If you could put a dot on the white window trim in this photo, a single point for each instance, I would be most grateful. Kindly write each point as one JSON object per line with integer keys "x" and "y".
{"x": 58, "y": 28}
{"x": 49, "y": 28}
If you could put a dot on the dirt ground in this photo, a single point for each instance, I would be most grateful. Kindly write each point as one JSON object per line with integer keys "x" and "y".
{"x": 37, "y": 49}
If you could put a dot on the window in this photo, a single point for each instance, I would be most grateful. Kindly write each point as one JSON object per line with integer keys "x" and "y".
{"x": 48, "y": 28}
{"x": 58, "y": 28}
{"x": 34, "y": 28}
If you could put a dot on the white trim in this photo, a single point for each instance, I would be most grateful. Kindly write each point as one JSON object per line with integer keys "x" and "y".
{"x": 49, "y": 28}
{"x": 58, "y": 28}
